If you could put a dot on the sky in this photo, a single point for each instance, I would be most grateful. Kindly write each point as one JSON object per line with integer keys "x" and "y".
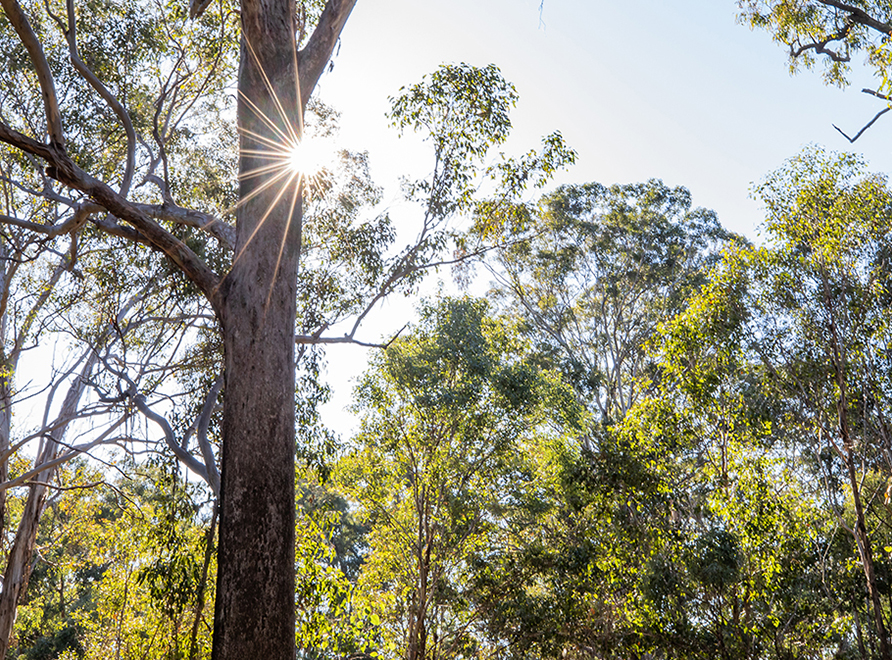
{"x": 640, "y": 89}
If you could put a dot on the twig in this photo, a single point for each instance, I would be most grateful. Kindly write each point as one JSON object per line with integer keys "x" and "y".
{"x": 872, "y": 121}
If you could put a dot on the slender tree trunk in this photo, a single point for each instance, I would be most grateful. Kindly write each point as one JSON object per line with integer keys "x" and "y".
{"x": 19, "y": 561}
{"x": 6, "y": 379}
{"x": 18, "y": 566}
{"x": 863, "y": 542}
{"x": 837, "y": 355}
{"x": 202, "y": 585}
{"x": 254, "y": 613}
{"x": 858, "y": 634}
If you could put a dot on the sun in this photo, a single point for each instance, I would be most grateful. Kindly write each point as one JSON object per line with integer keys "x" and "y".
{"x": 308, "y": 157}
{"x": 288, "y": 160}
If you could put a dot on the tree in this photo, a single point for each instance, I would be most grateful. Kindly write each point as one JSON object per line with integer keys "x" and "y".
{"x": 253, "y": 295}
{"x": 825, "y": 291}
{"x": 45, "y": 283}
{"x": 784, "y": 354}
{"x": 590, "y": 273}
{"x": 595, "y": 269}
{"x": 449, "y": 413}
{"x": 125, "y": 567}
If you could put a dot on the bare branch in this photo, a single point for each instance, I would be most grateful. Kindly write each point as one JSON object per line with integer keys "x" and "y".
{"x": 201, "y": 435}
{"x": 872, "y": 121}
{"x": 74, "y": 451}
{"x": 35, "y": 51}
{"x": 62, "y": 168}
{"x": 206, "y": 472}
{"x": 864, "y": 128}
{"x": 170, "y": 439}
{"x": 821, "y": 46}
{"x": 219, "y": 229}
{"x": 72, "y": 224}
{"x": 107, "y": 96}
{"x": 346, "y": 339}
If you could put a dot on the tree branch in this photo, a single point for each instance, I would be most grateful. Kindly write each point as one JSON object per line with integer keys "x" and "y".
{"x": 62, "y": 168}
{"x": 32, "y": 44}
{"x": 821, "y": 46}
{"x": 219, "y": 229}
{"x": 170, "y": 439}
{"x": 316, "y": 54}
{"x": 872, "y": 121}
{"x": 858, "y": 15}
{"x": 72, "y": 224}
{"x": 201, "y": 435}
{"x": 107, "y": 96}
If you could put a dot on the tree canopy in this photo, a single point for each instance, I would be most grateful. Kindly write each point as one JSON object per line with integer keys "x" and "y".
{"x": 651, "y": 439}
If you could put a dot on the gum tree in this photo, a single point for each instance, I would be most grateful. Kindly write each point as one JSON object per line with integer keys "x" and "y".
{"x": 154, "y": 90}
{"x": 451, "y": 414}
{"x": 782, "y": 360}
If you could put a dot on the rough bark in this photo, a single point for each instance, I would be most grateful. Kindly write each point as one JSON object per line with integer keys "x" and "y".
{"x": 254, "y": 615}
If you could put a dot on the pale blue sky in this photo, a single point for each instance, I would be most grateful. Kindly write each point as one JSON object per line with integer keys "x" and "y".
{"x": 640, "y": 88}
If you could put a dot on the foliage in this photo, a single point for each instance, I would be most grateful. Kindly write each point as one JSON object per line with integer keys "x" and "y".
{"x": 774, "y": 395}
{"x": 123, "y": 570}
{"x": 592, "y": 272}
{"x": 448, "y": 414}
{"x": 827, "y": 30}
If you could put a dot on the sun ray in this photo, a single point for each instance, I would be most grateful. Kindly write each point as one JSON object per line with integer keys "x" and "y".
{"x": 275, "y": 97}
{"x": 286, "y": 159}
{"x": 297, "y": 193}
{"x": 269, "y": 209}
{"x": 259, "y": 189}
{"x": 260, "y": 171}
{"x": 263, "y": 138}
{"x": 264, "y": 118}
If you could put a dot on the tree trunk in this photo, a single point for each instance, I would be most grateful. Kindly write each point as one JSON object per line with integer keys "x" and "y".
{"x": 254, "y": 612}
{"x": 6, "y": 383}
{"x": 862, "y": 540}
{"x": 19, "y": 561}
{"x": 202, "y": 585}
{"x": 837, "y": 352}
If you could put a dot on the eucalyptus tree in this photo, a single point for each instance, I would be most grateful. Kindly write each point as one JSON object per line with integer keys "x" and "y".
{"x": 825, "y": 290}
{"x": 150, "y": 85}
{"x": 126, "y": 567}
{"x": 450, "y": 416}
{"x": 782, "y": 362}
{"x": 45, "y": 300}
{"x": 592, "y": 272}
{"x": 827, "y": 30}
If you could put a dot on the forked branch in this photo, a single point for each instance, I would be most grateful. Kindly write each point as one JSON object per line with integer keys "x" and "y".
{"x": 47, "y": 87}
{"x": 872, "y": 121}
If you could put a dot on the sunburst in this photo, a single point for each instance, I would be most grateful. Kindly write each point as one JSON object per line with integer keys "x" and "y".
{"x": 290, "y": 160}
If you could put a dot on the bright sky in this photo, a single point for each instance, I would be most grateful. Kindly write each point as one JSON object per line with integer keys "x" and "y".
{"x": 640, "y": 88}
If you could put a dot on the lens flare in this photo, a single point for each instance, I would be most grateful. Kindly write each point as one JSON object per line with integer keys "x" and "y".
{"x": 308, "y": 158}
{"x": 289, "y": 161}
